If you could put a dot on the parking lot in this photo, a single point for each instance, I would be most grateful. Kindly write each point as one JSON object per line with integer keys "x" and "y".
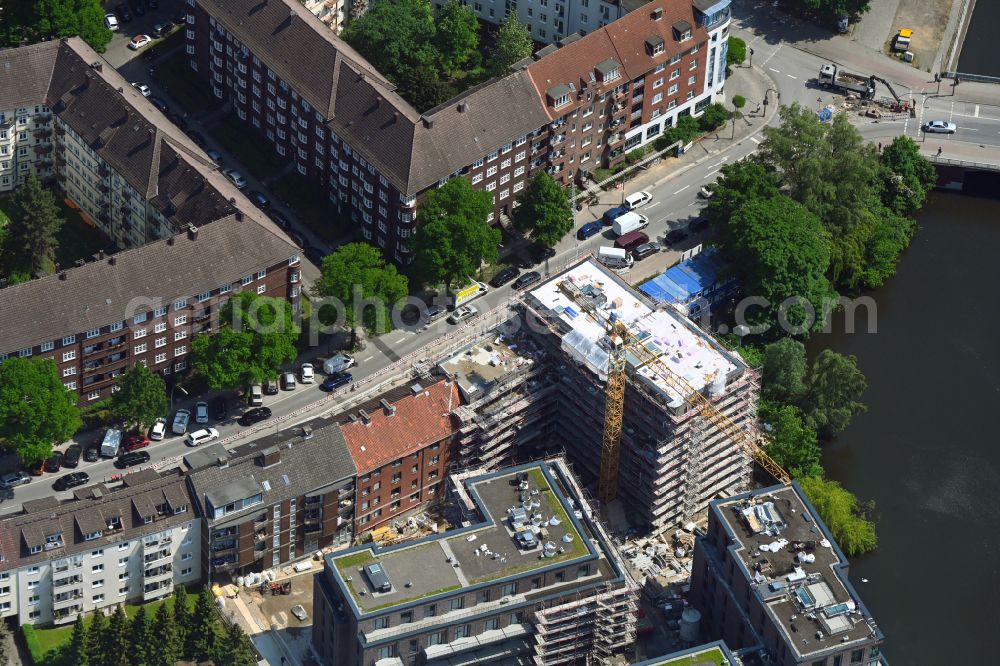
{"x": 166, "y": 12}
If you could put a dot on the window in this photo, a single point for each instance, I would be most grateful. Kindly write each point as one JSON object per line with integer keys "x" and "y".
{"x": 138, "y": 333}
{"x": 140, "y": 349}
{"x": 68, "y": 340}
{"x": 657, "y": 98}
{"x": 462, "y": 631}
{"x": 98, "y": 598}
{"x": 436, "y": 638}
{"x": 262, "y": 289}
{"x": 672, "y": 89}
{"x": 69, "y": 371}
{"x": 160, "y": 312}
{"x": 180, "y": 351}
{"x": 117, "y": 326}
{"x": 180, "y": 320}
{"x": 160, "y": 358}
{"x": 491, "y": 624}
{"x": 160, "y": 327}
{"x": 48, "y": 346}
{"x": 457, "y": 603}
{"x": 508, "y": 589}
{"x": 69, "y": 356}
{"x": 381, "y": 623}
{"x": 406, "y": 617}
{"x": 97, "y": 568}
{"x": 139, "y": 318}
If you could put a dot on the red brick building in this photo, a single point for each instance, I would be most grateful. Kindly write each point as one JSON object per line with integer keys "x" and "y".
{"x": 401, "y": 453}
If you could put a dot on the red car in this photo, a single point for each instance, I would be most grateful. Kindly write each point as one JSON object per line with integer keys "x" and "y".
{"x": 136, "y": 442}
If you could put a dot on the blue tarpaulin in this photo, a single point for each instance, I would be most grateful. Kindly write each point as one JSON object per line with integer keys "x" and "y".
{"x": 687, "y": 280}
{"x": 663, "y": 289}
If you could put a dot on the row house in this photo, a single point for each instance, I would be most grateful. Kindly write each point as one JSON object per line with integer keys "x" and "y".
{"x": 577, "y": 105}
{"x": 132, "y": 541}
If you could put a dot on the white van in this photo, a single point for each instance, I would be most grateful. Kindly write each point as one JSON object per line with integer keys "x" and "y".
{"x": 614, "y": 257}
{"x": 338, "y": 363}
{"x": 112, "y": 440}
{"x": 628, "y": 223}
{"x": 633, "y": 201}
{"x": 256, "y": 395}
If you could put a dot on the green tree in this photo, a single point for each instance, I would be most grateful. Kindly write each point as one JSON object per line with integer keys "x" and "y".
{"x": 829, "y": 10}
{"x": 140, "y": 639}
{"x": 29, "y": 22}
{"x": 36, "y": 410}
{"x": 739, "y": 101}
{"x": 395, "y": 37}
{"x": 32, "y": 236}
{"x": 513, "y": 44}
{"x": 422, "y": 88}
{"x": 234, "y": 649}
{"x": 77, "y": 651}
{"x": 141, "y": 397}
{"x": 912, "y": 176}
{"x": 182, "y": 617}
{"x": 740, "y": 182}
{"x": 848, "y": 521}
{"x": 201, "y": 629}
{"x": 116, "y": 641}
{"x": 167, "y": 642}
{"x": 781, "y": 249}
{"x": 783, "y": 378}
{"x": 736, "y": 52}
{"x": 457, "y": 35}
{"x": 713, "y": 117}
{"x": 95, "y": 638}
{"x": 686, "y": 129}
{"x": 257, "y": 337}
{"x": 544, "y": 210}
{"x": 453, "y": 238}
{"x": 792, "y": 443}
{"x": 357, "y": 275}
{"x": 833, "y": 395}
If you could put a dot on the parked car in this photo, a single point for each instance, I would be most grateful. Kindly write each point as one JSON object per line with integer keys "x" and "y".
{"x": 181, "y": 419}
{"x": 143, "y": 89}
{"x": 131, "y": 459}
{"x": 939, "y": 127}
{"x": 504, "y": 276}
{"x": 306, "y": 374}
{"x": 463, "y": 313}
{"x": 161, "y": 29}
{"x": 139, "y": 41}
{"x": 527, "y": 279}
{"x": 135, "y": 442}
{"x": 199, "y": 437}
{"x": 610, "y": 216}
{"x": 72, "y": 456}
{"x": 675, "y": 236}
{"x": 255, "y": 415}
{"x": 287, "y": 381}
{"x": 159, "y": 103}
{"x": 540, "y": 253}
{"x": 338, "y": 363}
{"x": 588, "y": 230}
{"x": 158, "y": 431}
{"x": 637, "y": 199}
{"x": 215, "y": 156}
{"x": 299, "y": 612}
{"x": 38, "y": 468}
{"x": 279, "y": 219}
{"x": 260, "y": 199}
{"x": 220, "y": 408}
{"x": 92, "y": 453}
{"x": 435, "y": 312}
{"x": 72, "y": 480}
{"x": 180, "y": 17}
{"x": 271, "y": 387}
{"x": 645, "y": 250}
{"x": 706, "y": 192}
{"x": 336, "y": 381}
{"x": 256, "y": 395}
{"x": 54, "y": 463}
{"x": 201, "y": 412}
{"x": 111, "y": 22}
{"x": 14, "y": 479}
{"x": 198, "y": 139}
{"x": 236, "y": 177}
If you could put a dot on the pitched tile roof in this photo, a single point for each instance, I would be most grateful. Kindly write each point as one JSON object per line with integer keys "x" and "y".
{"x": 419, "y": 420}
{"x": 98, "y": 293}
{"x": 304, "y": 466}
{"x": 59, "y": 528}
{"x": 25, "y": 73}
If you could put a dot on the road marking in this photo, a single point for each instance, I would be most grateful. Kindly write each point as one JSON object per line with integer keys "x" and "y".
{"x": 682, "y": 189}
{"x": 792, "y": 77}
{"x": 975, "y": 114}
{"x": 968, "y": 129}
{"x": 711, "y": 173}
{"x": 755, "y": 140}
{"x": 776, "y": 71}
{"x": 773, "y": 53}
{"x": 655, "y": 203}
{"x": 365, "y": 360}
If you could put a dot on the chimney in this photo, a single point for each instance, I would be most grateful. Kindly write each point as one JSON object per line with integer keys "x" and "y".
{"x": 62, "y": 276}
{"x": 462, "y": 106}
{"x": 112, "y": 261}
{"x": 390, "y": 410}
{"x": 271, "y": 457}
{"x": 98, "y": 66}
{"x": 363, "y": 415}
{"x": 307, "y": 432}
{"x": 658, "y": 13}
{"x": 239, "y": 216}
{"x": 428, "y": 123}
{"x": 193, "y": 232}
{"x": 170, "y": 241}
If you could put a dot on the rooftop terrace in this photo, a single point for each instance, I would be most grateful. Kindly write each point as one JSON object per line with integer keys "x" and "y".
{"x": 798, "y": 571}
{"x": 698, "y": 656}
{"x": 517, "y": 506}
{"x": 682, "y": 347}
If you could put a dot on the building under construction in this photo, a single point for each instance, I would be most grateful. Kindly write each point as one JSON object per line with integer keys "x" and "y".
{"x": 539, "y": 385}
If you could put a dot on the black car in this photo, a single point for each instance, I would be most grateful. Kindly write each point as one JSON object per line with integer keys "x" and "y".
{"x": 160, "y": 29}
{"x": 159, "y": 103}
{"x": 220, "y": 408}
{"x": 260, "y": 199}
{"x": 131, "y": 459}
{"x": 178, "y": 119}
{"x": 698, "y": 224}
{"x": 197, "y": 138}
{"x": 336, "y": 381}
{"x": 526, "y": 279}
{"x": 123, "y": 13}
{"x": 91, "y": 454}
{"x": 271, "y": 387}
{"x": 71, "y": 481}
{"x": 181, "y": 17}
{"x": 676, "y": 236}
{"x": 54, "y": 463}
{"x": 255, "y": 415}
{"x": 540, "y": 253}
{"x": 72, "y": 456}
{"x": 504, "y": 276}
{"x": 280, "y": 219}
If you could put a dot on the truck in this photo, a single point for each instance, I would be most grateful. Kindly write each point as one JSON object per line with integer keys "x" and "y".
{"x": 614, "y": 257}
{"x": 111, "y": 442}
{"x": 469, "y": 292}
{"x": 831, "y": 76}
{"x": 628, "y": 222}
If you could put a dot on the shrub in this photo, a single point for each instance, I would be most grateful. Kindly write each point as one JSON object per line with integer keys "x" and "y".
{"x": 713, "y": 117}
{"x": 34, "y": 645}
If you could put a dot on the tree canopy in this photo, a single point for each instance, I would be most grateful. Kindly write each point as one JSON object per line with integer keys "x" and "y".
{"x": 41, "y": 20}
{"x": 829, "y": 10}
{"x": 453, "y": 238}
{"x": 911, "y": 177}
{"x": 544, "y": 210}
{"x": 513, "y": 44}
{"x": 848, "y": 521}
{"x": 32, "y": 235}
{"x": 457, "y": 35}
{"x": 358, "y": 272}
{"x": 36, "y": 410}
{"x": 256, "y": 338}
{"x": 141, "y": 397}
{"x": 792, "y": 442}
{"x": 784, "y": 374}
{"x": 736, "y": 52}
{"x": 833, "y": 394}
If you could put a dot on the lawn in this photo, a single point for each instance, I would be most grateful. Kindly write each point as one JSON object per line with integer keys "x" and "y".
{"x": 312, "y": 207}
{"x": 185, "y": 87}
{"x": 713, "y": 656}
{"x": 77, "y": 239}
{"x": 250, "y": 149}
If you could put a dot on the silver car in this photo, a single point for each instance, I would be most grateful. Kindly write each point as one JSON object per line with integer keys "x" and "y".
{"x": 14, "y": 479}
{"x": 463, "y": 313}
{"x": 939, "y": 127}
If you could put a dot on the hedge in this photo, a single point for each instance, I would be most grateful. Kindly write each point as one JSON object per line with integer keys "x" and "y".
{"x": 34, "y": 646}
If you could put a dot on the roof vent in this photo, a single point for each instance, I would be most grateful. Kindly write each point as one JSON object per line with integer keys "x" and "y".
{"x": 193, "y": 232}
{"x": 307, "y": 432}
{"x": 462, "y": 106}
{"x": 62, "y": 276}
{"x": 390, "y": 410}
{"x": 98, "y": 66}
{"x": 657, "y": 13}
{"x": 416, "y": 389}
{"x": 222, "y": 461}
{"x": 365, "y": 418}
{"x": 239, "y": 216}
{"x": 112, "y": 261}
{"x": 170, "y": 241}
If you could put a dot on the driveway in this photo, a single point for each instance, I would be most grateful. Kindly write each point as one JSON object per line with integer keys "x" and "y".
{"x": 118, "y": 52}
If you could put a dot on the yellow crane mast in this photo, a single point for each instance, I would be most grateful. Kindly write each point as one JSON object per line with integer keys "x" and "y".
{"x": 614, "y": 406}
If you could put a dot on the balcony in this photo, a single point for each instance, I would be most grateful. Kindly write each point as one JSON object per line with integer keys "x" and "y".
{"x": 309, "y": 528}
{"x": 230, "y": 531}
{"x": 154, "y": 543}
{"x": 556, "y": 140}
{"x": 158, "y": 573}
{"x": 157, "y": 590}
{"x": 222, "y": 563}
{"x": 224, "y": 546}
{"x": 63, "y": 582}
{"x": 63, "y": 568}
{"x": 158, "y": 556}
{"x": 65, "y": 599}
{"x": 312, "y": 516}
{"x": 66, "y": 615}
{"x": 43, "y": 149}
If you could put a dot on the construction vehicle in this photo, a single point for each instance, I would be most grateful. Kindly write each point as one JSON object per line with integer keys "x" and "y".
{"x": 831, "y": 76}
{"x": 901, "y": 42}
{"x": 622, "y": 342}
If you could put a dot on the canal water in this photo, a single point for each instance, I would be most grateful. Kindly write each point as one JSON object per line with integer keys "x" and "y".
{"x": 928, "y": 449}
{"x": 979, "y": 54}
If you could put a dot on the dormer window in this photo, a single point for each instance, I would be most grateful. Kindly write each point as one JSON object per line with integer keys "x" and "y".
{"x": 682, "y": 31}
{"x": 654, "y": 45}
{"x": 181, "y": 509}
{"x": 35, "y": 550}
{"x": 559, "y": 95}
{"x": 90, "y": 536}
{"x": 608, "y": 70}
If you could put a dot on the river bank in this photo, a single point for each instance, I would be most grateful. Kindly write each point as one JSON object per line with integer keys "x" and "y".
{"x": 925, "y": 451}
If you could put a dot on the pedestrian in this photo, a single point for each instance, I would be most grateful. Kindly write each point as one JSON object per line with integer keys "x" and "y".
{"x": 880, "y": 146}
{"x": 939, "y": 151}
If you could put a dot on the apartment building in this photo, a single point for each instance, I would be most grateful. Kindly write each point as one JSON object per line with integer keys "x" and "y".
{"x": 130, "y": 541}
{"x": 272, "y": 500}
{"x": 144, "y": 305}
{"x": 768, "y": 574}
{"x": 716, "y": 652}
{"x": 530, "y": 578}
{"x": 333, "y": 13}
{"x": 401, "y": 450}
{"x": 579, "y": 104}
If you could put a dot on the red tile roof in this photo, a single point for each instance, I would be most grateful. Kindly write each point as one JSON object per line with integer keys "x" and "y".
{"x": 420, "y": 420}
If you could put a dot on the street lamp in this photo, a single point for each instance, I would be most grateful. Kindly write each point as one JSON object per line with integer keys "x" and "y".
{"x": 751, "y": 59}
{"x": 176, "y": 387}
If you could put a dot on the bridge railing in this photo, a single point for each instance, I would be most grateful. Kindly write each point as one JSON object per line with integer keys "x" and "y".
{"x": 986, "y": 166}
{"x": 979, "y": 78}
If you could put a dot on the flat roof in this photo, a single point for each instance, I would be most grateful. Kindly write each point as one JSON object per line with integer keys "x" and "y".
{"x": 685, "y": 349}
{"x": 486, "y": 552}
{"x": 797, "y": 569}
{"x": 477, "y": 367}
{"x": 709, "y": 654}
